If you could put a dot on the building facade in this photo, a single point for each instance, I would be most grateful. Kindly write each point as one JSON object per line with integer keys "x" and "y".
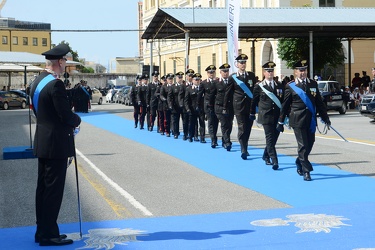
{"x": 169, "y": 55}
{"x": 21, "y": 36}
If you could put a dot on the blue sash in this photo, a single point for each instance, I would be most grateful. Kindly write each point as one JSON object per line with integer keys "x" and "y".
{"x": 271, "y": 95}
{"x": 39, "y": 88}
{"x": 308, "y": 104}
{"x": 243, "y": 86}
{"x": 85, "y": 90}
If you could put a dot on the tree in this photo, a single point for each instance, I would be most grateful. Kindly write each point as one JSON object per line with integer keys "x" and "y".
{"x": 87, "y": 70}
{"x": 326, "y": 51}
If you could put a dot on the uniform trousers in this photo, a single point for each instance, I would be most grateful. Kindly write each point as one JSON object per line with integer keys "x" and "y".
{"x": 244, "y": 124}
{"x": 226, "y": 122}
{"x": 49, "y": 195}
{"x": 152, "y": 117}
{"x": 142, "y": 115}
{"x": 167, "y": 121}
{"x": 161, "y": 121}
{"x": 185, "y": 123}
{"x": 305, "y": 140}
{"x": 271, "y": 134}
{"x": 136, "y": 114}
{"x": 212, "y": 123}
{"x": 175, "y": 116}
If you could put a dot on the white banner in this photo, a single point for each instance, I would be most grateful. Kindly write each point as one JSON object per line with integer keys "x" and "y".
{"x": 233, "y": 10}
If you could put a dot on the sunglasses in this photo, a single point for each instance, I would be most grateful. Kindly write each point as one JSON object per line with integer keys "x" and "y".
{"x": 269, "y": 70}
{"x": 211, "y": 71}
{"x": 196, "y": 78}
{"x": 242, "y": 61}
{"x": 225, "y": 70}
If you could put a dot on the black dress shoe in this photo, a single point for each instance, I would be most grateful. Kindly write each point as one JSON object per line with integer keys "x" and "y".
{"x": 196, "y": 139}
{"x": 135, "y": 125}
{"x": 213, "y": 145}
{"x": 55, "y": 242}
{"x": 247, "y": 153}
{"x": 162, "y": 133}
{"x": 184, "y": 138}
{"x": 37, "y": 237}
{"x": 168, "y": 135}
{"x": 203, "y": 141}
{"x": 244, "y": 156}
{"x": 275, "y": 166}
{"x": 267, "y": 161}
{"x": 306, "y": 176}
{"x": 299, "y": 171}
{"x": 190, "y": 140}
{"x": 229, "y": 148}
{"x": 175, "y": 136}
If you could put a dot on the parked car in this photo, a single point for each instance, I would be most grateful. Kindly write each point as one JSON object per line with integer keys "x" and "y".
{"x": 121, "y": 94}
{"x": 333, "y": 96}
{"x": 97, "y": 96}
{"x": 367, "y": 106}
{"x": 11, "y": 99}
{"x": 127, "y": 97}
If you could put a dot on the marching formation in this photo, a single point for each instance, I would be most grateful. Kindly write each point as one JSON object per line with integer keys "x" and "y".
{"x": 163, "y": 103}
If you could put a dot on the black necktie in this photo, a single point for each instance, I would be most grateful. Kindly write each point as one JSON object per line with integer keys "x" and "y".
{"x": 225, "y": 81}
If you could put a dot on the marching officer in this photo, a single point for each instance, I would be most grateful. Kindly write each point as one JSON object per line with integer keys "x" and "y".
{"x": 163, "y": 97}
{"x": 160, "y": 108}
{"x": 268, "y": 96}
{"x": 302, "y": 101}
{"x": 240, "y": 91}
{"x": 133, "y": 99}
{"x": 207, "y": 92}
{"x": 226, "y": 120}
{"x": 185, "y": 115}
{"x": 174, "y": 104}
{"x": 141, "y": 99}
{"x": 152, "y": 100}
{"x": 194, "y": 108}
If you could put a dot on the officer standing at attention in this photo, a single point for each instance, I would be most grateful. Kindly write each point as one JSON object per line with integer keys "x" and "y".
{"x": 185, "y": 116}
{"x": 152, "y": 100}
{"x": 53, "y": 144}
{"x": 226, "y": 120}
{"x": 268, "y": 96}
{"x": 302, "y": 101}
{"x": 207, "y": 92}
{"x": 174, "y": 104}
{"x": 240, "y": 91}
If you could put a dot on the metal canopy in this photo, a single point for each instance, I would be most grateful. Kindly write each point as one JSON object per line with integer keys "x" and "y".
{"x": 211, "y": 23}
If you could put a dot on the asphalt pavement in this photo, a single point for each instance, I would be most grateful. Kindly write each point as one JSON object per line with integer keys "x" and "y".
{"x": 141, "y": 190}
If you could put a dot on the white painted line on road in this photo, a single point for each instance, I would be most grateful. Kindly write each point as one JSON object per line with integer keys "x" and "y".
{"x": 113, "y": 184}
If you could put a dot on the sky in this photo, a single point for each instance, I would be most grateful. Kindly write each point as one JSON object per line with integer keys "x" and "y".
{"x": 99, "y": 47}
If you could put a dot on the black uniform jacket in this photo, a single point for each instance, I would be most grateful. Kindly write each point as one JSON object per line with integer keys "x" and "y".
{"x": 269, "y": 112}
{"x": 191, "y": 100}
{"x": 142, "y": 95}
{"x": 181, "y": 96}
{"x": 151, "y": 98}
{"x": 163, "y": 96}
{"x": 241, "y": 102}
{"x": 219, "y": 98}
{"x": 173, "y": 98}
{"x": 299, "y": 115}
{"x": 207, "y": 93}
{"x": 55, "y": 121}
{"x": 133, "y": 95}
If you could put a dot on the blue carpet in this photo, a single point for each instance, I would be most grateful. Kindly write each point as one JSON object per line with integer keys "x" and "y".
{"x": 334, "y": 211}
